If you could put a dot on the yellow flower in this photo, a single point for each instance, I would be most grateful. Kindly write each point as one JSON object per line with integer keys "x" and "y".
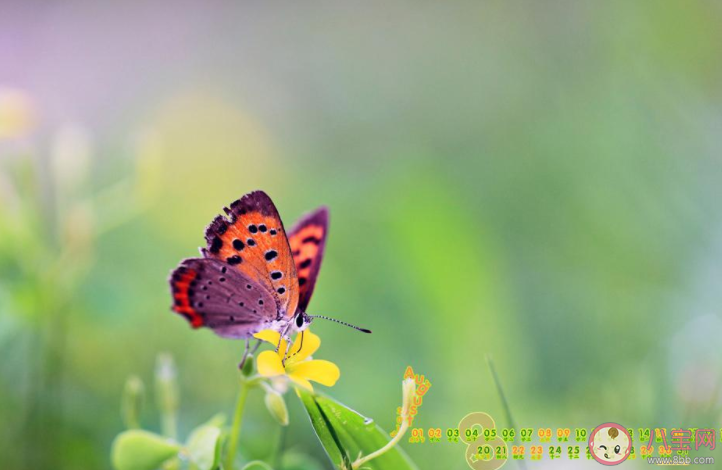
{"x": 299, "y": 367}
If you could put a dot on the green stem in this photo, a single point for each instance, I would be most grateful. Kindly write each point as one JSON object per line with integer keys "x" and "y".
{"x": 504, "y": 403}
{"x": 408, "y": 388}
{"x": 402, "y": 430}
{"x": 169, "y": 425}
{"x": 236, "y": 428}
{"x": 275, "y": 460}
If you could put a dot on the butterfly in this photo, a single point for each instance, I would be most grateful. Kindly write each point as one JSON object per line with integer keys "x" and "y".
{"x": 251, "y": 276}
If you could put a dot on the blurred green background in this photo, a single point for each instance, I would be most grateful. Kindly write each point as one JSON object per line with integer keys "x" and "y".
{"x": 535, "y": 181}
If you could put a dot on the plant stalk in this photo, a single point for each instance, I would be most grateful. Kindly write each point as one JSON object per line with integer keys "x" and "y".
{"x": 402, "y": 430}
{"x": 278, "y": 451}
{"x": 236, "y": 427}
{"x": 408, "y": 387}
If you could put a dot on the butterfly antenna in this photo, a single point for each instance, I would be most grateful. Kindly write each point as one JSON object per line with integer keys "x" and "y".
{"x": 363, "y": 330}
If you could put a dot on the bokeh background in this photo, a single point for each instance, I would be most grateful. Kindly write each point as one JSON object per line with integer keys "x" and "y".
{"x": 539, "y": 182}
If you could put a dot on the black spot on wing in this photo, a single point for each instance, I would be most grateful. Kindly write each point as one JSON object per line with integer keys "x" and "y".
{"x": 234, "y": 260}
{"x": 214, "y": 231}
{"x": 219, "y": 225}
{"x": 216, "y": 245}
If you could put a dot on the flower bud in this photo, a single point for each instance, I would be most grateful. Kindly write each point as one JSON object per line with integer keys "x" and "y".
{"x": 276, "y": 406}
{"x": 132, "y": 403}
{"x": 408, "y": 390}
{"x": 247, "y": 369}
{"x": 165, "y": 378}
{"x": 167, "y": 395}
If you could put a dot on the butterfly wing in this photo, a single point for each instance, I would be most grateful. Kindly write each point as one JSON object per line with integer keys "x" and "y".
{"x": 252, "y": 241}
{"x": 209, "y": 292}
{"x": 308, "y": 241}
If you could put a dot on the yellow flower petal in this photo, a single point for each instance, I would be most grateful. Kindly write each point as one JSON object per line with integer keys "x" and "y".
{"x": 270, "y": 336}
{"x": 269, "y": 364}
{"x": 302, "y": 382}
{"x": 323, "y": 372}
{"x": 308, "y": 346}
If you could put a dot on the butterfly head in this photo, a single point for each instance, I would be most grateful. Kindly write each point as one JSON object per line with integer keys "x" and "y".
{"x": 302, "y": 320}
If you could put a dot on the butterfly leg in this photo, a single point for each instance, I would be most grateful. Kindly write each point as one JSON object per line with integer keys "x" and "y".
{"x": 300, "y": 346}
{"x": 285, "y": 355}
{"x": 283, "y": 336}
{"x": 245, "y": 353}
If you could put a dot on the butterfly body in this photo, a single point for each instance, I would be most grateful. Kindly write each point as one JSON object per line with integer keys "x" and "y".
{"x": 247, "y": 279}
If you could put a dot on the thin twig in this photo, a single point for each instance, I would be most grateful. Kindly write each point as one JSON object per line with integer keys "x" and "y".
{"x": 504, "y": 403}
{"x": 236, "y": 427}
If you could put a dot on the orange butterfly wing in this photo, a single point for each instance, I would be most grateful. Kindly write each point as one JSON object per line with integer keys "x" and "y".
{"x": 252, "y": 240}
{"x": 308, "y": 242}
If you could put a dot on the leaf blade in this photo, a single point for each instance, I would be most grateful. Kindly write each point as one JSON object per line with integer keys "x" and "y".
{"x": 141, "y": 450}
{"x": 344, "y": 432}
{"x": 203, "y": 446}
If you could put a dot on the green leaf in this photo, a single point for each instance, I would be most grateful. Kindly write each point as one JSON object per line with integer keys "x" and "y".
{"x": 344, "y": 434}
{"x": 203, "y": 446}
{"x": 216, "y": 420}
{"x": 295, "y": 461}
{"x": 141, "y": 450}
{"x": 257, "y": 465}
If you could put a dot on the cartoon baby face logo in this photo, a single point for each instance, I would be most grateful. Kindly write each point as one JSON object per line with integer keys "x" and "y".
{"x": 610, "y": 444}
